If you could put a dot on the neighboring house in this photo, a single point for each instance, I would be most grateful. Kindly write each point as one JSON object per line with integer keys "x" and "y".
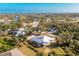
{"x": 13, "y": 52}
{"x": 75, "y": 19}
{"x": 35, "y": 23}
{"x": 16, "y": 18}
{"x": 52, "y": 30}
{"x": 47, "y": 19}
{"x": 11, "y": 31}
{"x": 24, "y": 24}
{"x": 44, "y": 40}
{"x": 5, "y": 21}
{"x": 20, "y": 31}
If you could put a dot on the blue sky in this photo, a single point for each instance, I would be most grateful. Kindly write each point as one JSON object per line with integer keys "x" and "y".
{"x": 39, "y": 7}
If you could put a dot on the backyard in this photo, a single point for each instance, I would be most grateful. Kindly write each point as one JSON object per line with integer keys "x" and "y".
{"x": 29, "y": 50}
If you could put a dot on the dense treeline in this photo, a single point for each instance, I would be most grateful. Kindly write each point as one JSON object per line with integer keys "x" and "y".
{"x": 68, "y": 31}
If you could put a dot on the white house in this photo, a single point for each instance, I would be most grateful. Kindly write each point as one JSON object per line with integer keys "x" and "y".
{"x": 44, "y": 40}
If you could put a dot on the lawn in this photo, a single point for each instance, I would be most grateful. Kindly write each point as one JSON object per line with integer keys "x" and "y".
{"x": 27, "y": 51}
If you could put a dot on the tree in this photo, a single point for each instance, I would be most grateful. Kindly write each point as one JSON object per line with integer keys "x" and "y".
{"x": 66, "y": 37}
{"x": 0, "y": 45}
{"x": 58, "y": 52}
{"x": 69, "y": 51}
{"x": 5, "y": 45}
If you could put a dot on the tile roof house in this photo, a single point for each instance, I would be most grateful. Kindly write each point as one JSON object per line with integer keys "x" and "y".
{"x": 5, "y": 20}
{"x": 13, "y": 52}
{"x": 47, "y": 19}
{"x": 35, "y": 23}
{"x": 24, "y": 24}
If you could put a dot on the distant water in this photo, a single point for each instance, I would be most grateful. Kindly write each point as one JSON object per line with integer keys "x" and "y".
{"x": 15, "y": 8}
{"x": 12, "y": 8}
